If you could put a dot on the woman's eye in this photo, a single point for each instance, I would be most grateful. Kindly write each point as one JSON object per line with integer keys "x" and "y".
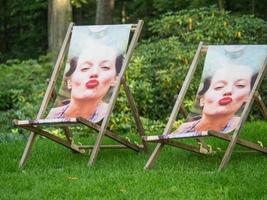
{"x": 105, "y": 68}
{"x": 84, "y": 69}
{"x": 219, "y": 87}
{"x": 240, "y": 86}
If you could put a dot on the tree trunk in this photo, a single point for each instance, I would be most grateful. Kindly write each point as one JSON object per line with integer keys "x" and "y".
{"x": 59, "y": 17}
{"x": 221, "y": 5}
{"x": 123, "y": 12}
{"x": 104, "y": 11}
{"x": 253, "y": 7}
{"x": 4, "y": 34}
{"x": 77, "y": 15}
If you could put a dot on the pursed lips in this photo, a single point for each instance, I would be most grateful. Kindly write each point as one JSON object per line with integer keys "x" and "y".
{"x": 92, "y": 83}
{"x": 225, "y": 101}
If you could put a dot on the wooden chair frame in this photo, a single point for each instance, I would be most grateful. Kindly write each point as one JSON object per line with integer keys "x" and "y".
{"x": 232, "y": 139}
{"x": 32, "y": 125}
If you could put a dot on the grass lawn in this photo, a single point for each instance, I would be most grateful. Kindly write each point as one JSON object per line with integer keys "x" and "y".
{"x": 54, "y": 172}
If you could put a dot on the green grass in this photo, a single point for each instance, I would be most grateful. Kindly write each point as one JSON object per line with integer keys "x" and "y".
{"x": 54, "y": 172}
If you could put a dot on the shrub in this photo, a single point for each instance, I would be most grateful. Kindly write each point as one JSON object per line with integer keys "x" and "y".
{"x": 22, "y": 88}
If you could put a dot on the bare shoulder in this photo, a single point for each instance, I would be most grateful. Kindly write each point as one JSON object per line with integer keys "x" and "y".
{"x": 185, "y": 127}
{"x": 103, "y": 106}
{"x": 101, "y": 111}
{"x": 234, "y": 122}
{"x": 55, "y": 112}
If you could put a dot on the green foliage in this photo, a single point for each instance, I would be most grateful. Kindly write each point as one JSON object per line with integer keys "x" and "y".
{"x": 163, "y": 6}
{"x": 22, "y": 88}
{"x": 23, "y": 24}
{"x": 23, "y": 29}
{"x": 155, "y": 74}
{"x": 78, "y": 3}
{"x": 210, "y": 26}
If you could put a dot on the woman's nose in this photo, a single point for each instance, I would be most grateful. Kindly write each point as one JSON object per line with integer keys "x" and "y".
{"x": 227, "y": 94}
{"x": 227, "y": 91}
{"x": 94, "y": 72}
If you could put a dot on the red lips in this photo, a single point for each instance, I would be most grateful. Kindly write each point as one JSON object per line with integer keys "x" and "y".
{"x": 92, "y": 83}
{"x": 225, "y": 100}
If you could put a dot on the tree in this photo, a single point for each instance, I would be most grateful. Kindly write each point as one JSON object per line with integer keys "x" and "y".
{"x": 221, "y": 5}
{"x": 59, "y": 17}
{"x": 23, "y": 32}
{"x": 104, "y": 11}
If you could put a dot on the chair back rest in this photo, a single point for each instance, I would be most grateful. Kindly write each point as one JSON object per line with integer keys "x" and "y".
{"x": 228, "y": 77}
{"x": 92, "y": 67}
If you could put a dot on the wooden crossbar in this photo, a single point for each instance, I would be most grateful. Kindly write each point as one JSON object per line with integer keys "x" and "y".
{"x": 107, "y": 146}
{"x": 52, "y": 137}
{"x": 110, "y": 135}
{"x": 184, "y": 146}
{"x": 239, "y": 141}
{"x": 29, "y": 125}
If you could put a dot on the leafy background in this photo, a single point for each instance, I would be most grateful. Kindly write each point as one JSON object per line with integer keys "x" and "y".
{"x": 156, "y": 72}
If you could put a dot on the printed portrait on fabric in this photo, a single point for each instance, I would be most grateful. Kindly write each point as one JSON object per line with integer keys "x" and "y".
{"x": 227, "y": 79}
{"x": 94, "y": 62}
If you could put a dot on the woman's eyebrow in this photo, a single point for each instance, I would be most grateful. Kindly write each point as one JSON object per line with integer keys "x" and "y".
{"x": 238, "y": 80}
{"x": 220, "y": 81}
{"x": 87, "y": 62}
{"x": 105, "y": 62}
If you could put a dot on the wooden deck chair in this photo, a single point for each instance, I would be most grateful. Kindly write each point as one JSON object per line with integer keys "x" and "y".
{"x": 245, "y": 62}
{"x": 100, "y": 50}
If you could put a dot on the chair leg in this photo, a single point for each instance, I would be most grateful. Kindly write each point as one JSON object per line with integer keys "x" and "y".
{"x": 153, "y": 157}
{"x": 135, "y": 112}
{"x": 68, "y": 134}
{"x": 261, "y": 104}
{"x": 27, "y": 149}
{"x": 96, "y": 148}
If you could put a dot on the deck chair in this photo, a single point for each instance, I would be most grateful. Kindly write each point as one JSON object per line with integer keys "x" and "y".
{"x": 248, "y": 59}
{"x": 110, "y": 42}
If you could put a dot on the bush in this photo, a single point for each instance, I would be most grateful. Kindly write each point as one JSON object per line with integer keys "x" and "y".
{"x": 22, "y": 88}
{"x": 210, "y": 26}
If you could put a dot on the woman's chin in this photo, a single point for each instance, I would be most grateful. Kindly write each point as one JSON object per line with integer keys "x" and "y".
{"x": 220, "y": 113}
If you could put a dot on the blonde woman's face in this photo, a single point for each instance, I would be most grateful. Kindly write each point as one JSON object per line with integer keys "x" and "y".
{"x": 95, "y": 73}
{"x": 229, "y": 89}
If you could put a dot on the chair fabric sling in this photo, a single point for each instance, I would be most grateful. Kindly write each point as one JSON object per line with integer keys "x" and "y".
{"x": 97, "y": 60}
{"x": 229, "y": 83}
